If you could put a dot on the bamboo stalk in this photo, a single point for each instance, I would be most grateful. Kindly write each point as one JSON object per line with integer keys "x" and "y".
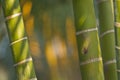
{"x": 87, "y": 40}
{"x": 117, "y": 34}
{"x": 18, "y": 40}
{"x": 107, "y": 38}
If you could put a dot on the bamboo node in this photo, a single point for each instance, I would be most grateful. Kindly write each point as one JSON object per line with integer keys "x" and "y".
{"x": 85, "y": 31}
{"x": 23, "y": 61}
{"x": 24, "y": 38}
{"x": 91, "y": 61}
{"x": 118, "y": 70}
{"x": 106, "y": 32}
{"x": 110, "y": 62}
{"x": 13, "y": 16}
{"x": 117, "y": 47}
{"x": 117, "y": 24}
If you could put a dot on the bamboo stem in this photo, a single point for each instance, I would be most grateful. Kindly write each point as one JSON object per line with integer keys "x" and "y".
{"x": 107, "y": 38}
{"x": 18, "y": 41}
{"x": 87, "y": 39}
{"x": 117, "y": 33}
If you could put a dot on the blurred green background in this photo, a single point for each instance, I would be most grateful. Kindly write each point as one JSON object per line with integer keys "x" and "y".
{"x": 50, "y": 28}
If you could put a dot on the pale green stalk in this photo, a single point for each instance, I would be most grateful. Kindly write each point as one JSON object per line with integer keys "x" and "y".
{"x": 107, "y": 38}
{"x": 18, "y": 40}
{"x": 87, "y": 40}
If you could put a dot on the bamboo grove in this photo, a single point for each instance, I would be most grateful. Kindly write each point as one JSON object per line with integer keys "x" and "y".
{"x": 96, "y": 35}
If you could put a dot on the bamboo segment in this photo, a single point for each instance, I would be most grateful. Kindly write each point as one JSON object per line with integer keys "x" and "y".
{"x": 107, "y": 38}
{"x": 87, "y": 40}
{"x": 18, "y": 38}
{"x": 117, "y": 34}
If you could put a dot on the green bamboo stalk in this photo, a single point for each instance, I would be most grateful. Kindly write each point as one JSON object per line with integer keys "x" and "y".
{"x": 107, "y": 38}
{"x": 117, "y": 34}
{"x": 18, "y": 38}
{"x": 87, "y": 40}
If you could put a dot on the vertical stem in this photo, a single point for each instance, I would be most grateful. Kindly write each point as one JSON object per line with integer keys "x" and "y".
{"x": 18, "y": 38}
{"x": 107, "y": 38}
{"x": 87, "y": 40}
{"x": 117, "y": 33}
